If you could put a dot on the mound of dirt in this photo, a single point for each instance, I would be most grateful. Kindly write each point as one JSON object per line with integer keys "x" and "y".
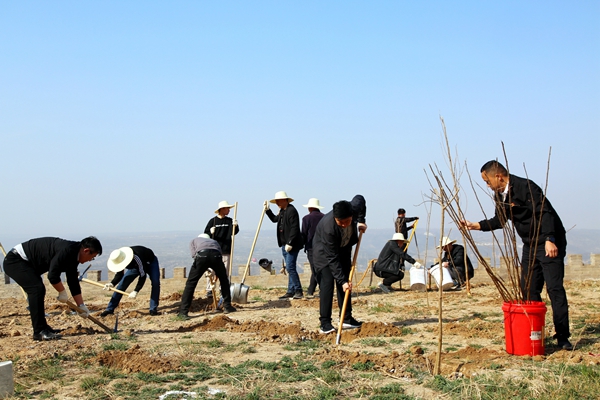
{"x": 78, "y": 330}
{"x": 136, "y": 360}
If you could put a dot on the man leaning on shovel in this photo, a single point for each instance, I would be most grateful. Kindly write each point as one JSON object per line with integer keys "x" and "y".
{"x": 206, "y": 253}
{"x": 336, "y": 233}
{"x": 27, "y": 261}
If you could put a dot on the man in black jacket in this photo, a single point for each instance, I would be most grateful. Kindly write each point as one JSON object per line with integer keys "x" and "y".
{"x": 454, "y": 260}
{"x": 289, "y": 239}
{"x": 400, "y": 224}
{"x": 543, "y": 235}
{"x": 309, "y": 226}
{"x": 129, "y": 263}
{"x": 27, "y": 261}
{"x": 390, "y": 263}
{"x": 221, "y": 228}
{"x": 332, "y": 253}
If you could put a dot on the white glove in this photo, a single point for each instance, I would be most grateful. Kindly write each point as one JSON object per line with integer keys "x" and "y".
{"x": 84, "y": 313}
{"x": 445, "y": 264}
{"x": 63, "y": 297}
{"x": 362, "y": 227}
{"x": 235, "y": 222}
{"x": 108, "y": 286}
{"x": 288, "y": 248}
{"x": 133, "y": 295}
{"x": 266, "y": 205}
{"x": 418, "y": 265}
{"x": 212, "y": 230}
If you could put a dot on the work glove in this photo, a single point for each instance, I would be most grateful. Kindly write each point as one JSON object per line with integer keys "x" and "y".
{"x": 84, "y": 313}
{"x": 288, "y": 248}
{"x": 266, "y": 205}
{"x": 133, "y": 295}
{"x": 418, "y": 265}
{"x": 212, "y": 230}
{"x": 63, "y": 297}
{"x": 108, "y": 286}
{"x": 362, "y": 227}
{"x": 235, "y": 222}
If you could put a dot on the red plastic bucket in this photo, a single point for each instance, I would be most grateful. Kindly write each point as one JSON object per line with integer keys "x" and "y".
{"x": 524, "y": 327}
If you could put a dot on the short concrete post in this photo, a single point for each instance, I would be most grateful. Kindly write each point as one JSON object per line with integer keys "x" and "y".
{"x": 595, "y": 259}
{"x": 574, "y": 260}
{"x": 94, "y": 275}
{"x": 7, "y": 386}
{"x": 162, "y": 273}
{"x": 179, "y": 273}
{"x": 6, "y": 278}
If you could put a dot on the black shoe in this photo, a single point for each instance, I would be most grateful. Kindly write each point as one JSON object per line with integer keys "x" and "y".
{"x": 49, "y": 329}
{"x": 326, "y": 328}
{"x": 352, "y": 323}
{"x": 154, "y": 312}
{"x": 106, "y": 312}
{"x": 288, "y": 295}
{"x": 298, "y": 295}
{"x": 46, "y": 335}
{"x": 228, "y": 308}
{"x": 183, "y": 316}
{"x": 565, "y": 344}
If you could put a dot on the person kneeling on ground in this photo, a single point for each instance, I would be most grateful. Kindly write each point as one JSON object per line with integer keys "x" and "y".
{"x": 207, "y": 254}
{"x": 454, "y": 260}
{"x": 129, "y": 263}
{"x": 27, "y": 261}
{"x": 390, "y": 263}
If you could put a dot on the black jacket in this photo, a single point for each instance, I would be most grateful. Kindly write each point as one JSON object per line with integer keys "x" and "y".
{"x": 288, "y": 227}
{"x": 55, "y": 256}
{"x": 391, "y": 258}
{"x": 456, "y": 261}
{"x": 327, "y": 249}
{"x": 145, "y": 256}
{"x": 309, "y": 226}
{"x": 525, "y": 206}
{"x": 400, "y": 225}
{"x": 223, "y": 232}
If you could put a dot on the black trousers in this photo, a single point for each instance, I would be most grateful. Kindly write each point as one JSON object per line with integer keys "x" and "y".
{"x": 202, "y": 262}
{"x": 326, "y": 284}
{"x": 313, "y": 274}
{"x": 24, "y": 274}
{"x": 389, "y": 279}
{"x": 552, "y": 272}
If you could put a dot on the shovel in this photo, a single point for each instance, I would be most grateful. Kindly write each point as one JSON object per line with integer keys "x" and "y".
{"x": 239, "y": 291}
{"x": 232, "y": 242}
{"x": 347, "y": 295}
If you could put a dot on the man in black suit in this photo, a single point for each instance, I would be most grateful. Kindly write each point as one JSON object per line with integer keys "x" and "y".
{"x": 543, "y": 235}
{"x": 336, "y": 233}
{"x": 454, "y": 260}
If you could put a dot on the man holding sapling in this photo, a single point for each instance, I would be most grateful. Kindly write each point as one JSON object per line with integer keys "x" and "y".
{"x": 543, "y": 235}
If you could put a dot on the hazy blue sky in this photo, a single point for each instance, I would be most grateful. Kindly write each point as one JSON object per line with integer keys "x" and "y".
{"x": 136, "y": 116}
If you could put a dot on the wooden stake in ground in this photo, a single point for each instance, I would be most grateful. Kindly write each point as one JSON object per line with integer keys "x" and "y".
{"x": 347, "y": 295}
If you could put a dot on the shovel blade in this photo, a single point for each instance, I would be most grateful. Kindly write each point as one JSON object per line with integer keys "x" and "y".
{"x": 239, "y": 293}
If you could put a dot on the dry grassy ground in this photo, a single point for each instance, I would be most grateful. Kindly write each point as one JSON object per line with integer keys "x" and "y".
{"x": 272, "y": 349}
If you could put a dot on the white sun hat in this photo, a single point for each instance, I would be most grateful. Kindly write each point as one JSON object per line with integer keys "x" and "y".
{"x": 223, "y": 204}
{"x": 204, "y": 235}
{"x": 281, "y": 196}
{"x": 398, "y": 236}
{"x": 313, "y": 203}
{"x": 119, "y": 259}
{"x": 445, "y": 242}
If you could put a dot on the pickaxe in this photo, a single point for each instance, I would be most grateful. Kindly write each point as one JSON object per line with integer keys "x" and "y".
{"x": 82, "y": 279}
{"x": 93, "y": 319}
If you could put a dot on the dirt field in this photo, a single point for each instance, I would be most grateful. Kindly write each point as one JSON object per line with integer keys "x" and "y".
{"x": 271, "y": 348}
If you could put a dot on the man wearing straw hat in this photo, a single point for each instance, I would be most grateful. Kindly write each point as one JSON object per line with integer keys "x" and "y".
{"x": 289, "y": 238}
{"x": 543, "y": 235}
{"x": 206, "y": 253}
{"x": 27, "y": 261}
{"x": 454, "y": 260}
{"x": 221, "y": 228}
{"x": 309, "y": 226}
{"x": 332, "y": 245}
{"x": 390, "y": 263}
{"x": 129, "y": 263}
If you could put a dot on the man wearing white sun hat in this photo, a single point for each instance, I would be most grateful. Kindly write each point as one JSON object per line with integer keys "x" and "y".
{"x": 128, "y": 263}
{"x": 289, "y": 238}
{"x": 390, "y": 263}
{"x": 454, "y": 260}
{"x": 221, "y": 228}
{"x": 309, "y": 226}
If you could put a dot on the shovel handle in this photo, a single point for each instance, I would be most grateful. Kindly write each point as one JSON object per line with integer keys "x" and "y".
{"x": 347, "y": 294}
{"x": 93, "y": 319}
{"x": 262, "y": 215}
{"x": 101, "y": 285}
{"x": 232, "y": 241}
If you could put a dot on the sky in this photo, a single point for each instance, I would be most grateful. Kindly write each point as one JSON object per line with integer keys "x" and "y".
{"x": 140, "y": 116}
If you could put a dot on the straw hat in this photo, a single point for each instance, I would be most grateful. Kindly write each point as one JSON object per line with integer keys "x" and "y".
{"x": 204, "y": 235}
{"x": 119, "y": 259}
{"x": 313, "y": 203}
{"x": 223, "y": 204}
{"x": 445, "y": 242}
{"x": 281, "y": 196}
{"x": 398, "y": 236}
